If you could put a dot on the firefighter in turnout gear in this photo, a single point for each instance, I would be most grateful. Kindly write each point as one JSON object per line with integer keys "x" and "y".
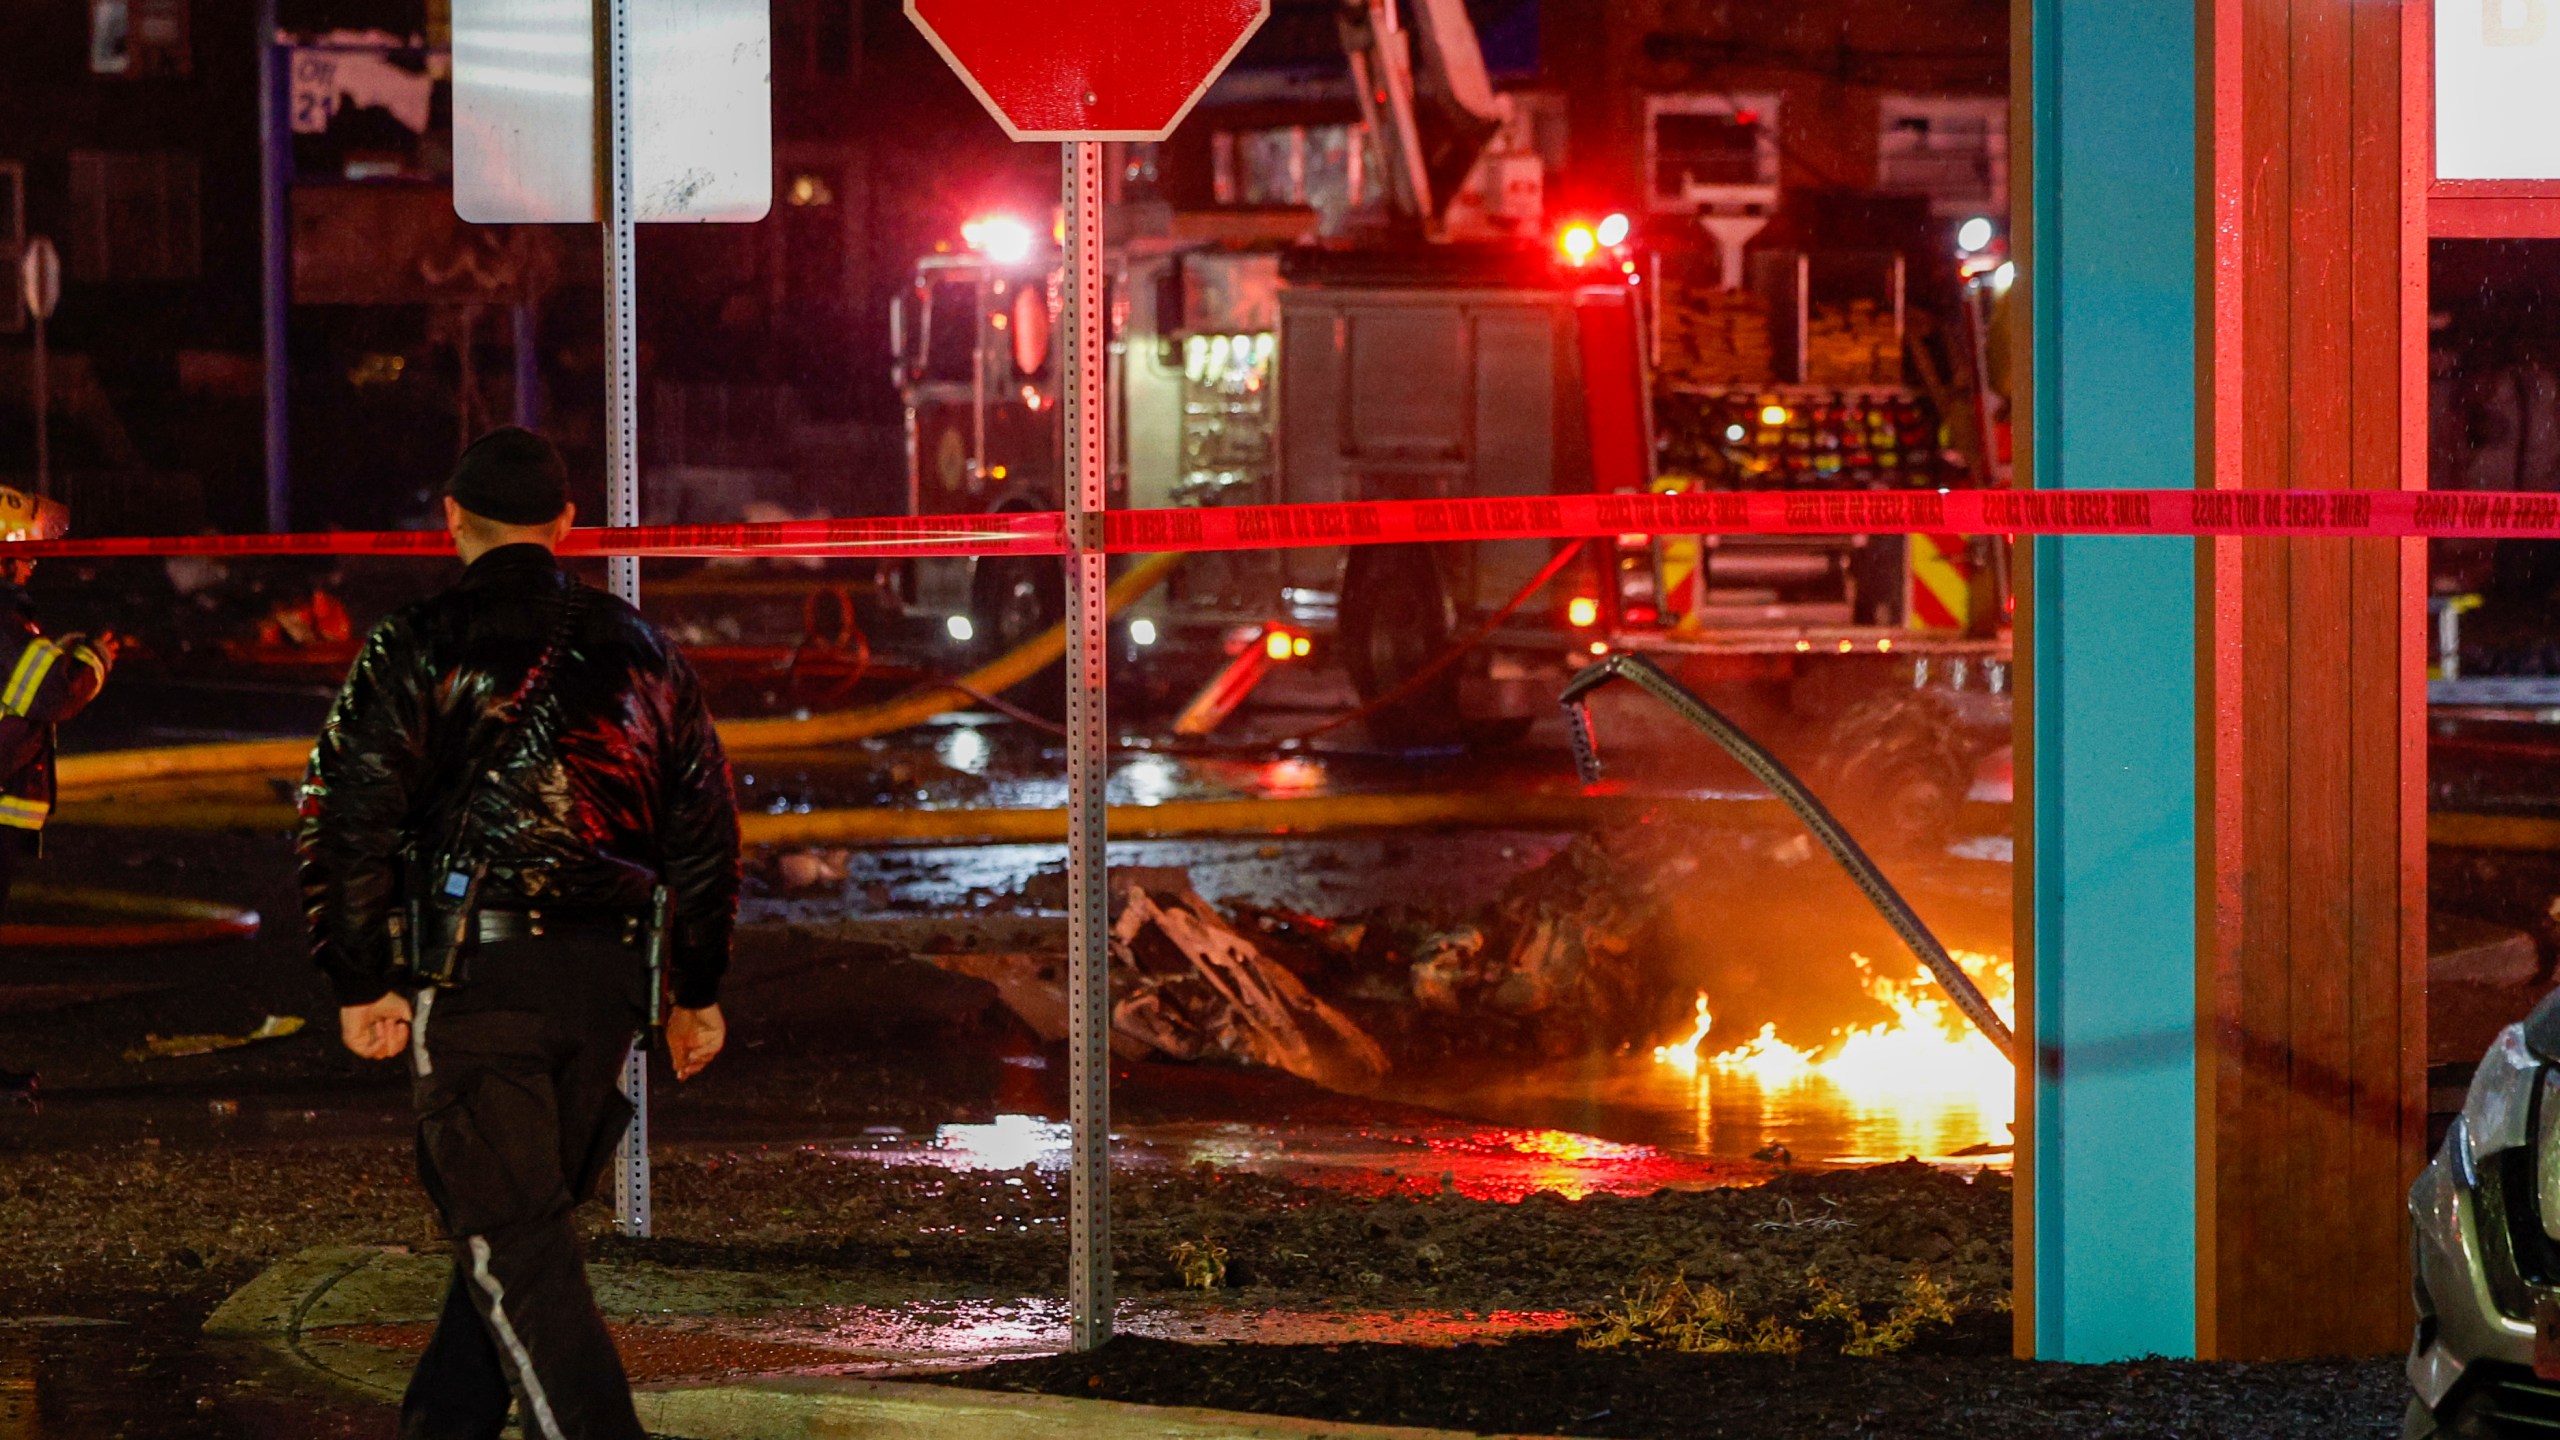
{"x": 518, "y": 810}
{"x": 43, "y": 682}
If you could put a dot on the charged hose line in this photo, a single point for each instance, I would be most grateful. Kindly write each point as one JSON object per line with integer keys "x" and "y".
{"x": 1817, "y": 817}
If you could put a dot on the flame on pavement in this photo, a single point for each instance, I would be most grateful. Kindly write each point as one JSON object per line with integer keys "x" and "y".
{"x": 1926, "y": 1070}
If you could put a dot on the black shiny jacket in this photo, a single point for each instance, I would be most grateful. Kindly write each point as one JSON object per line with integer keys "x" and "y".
{"x": 613, "y": 779}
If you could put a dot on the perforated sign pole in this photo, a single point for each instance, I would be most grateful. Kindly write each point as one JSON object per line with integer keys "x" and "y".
{"x": 1088, "y": 761}
{"x": 622, "y": 494}
{"x": 1083, "y": 72}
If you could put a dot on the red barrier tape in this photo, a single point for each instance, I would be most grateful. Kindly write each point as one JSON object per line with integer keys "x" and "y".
{"x": 2383, "y": 513}
{"x": 1009, "y": 534}
{"x": 2372, "y": 513}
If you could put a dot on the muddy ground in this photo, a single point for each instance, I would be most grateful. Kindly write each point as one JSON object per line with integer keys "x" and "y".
{"x": 146, "y": 1191}
{"x": 1548, "y": 1385}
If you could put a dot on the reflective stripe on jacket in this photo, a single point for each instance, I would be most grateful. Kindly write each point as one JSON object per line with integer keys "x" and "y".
{"x": 41, "y": 685}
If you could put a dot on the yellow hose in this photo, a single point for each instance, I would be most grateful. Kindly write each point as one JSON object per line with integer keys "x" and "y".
{"x": 2493, "y": 832}
{"x": 764, "y": 737}
{"x": 89, "y": 776}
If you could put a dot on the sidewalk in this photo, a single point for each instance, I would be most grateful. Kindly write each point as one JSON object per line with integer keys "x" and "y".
{"x": 721, "y": 1355}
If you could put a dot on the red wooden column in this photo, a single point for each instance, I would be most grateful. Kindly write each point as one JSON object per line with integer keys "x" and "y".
{"x": 2311, "y": 706}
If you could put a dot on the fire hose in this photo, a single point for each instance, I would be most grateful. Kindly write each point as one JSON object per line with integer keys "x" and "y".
{"x": 141, "y": 922}
{"x": 1817, "y": 817}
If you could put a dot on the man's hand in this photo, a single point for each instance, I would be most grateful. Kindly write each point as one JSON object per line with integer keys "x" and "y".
{"x": 377, "y": 1031}
{"x": 694, "y": 1037}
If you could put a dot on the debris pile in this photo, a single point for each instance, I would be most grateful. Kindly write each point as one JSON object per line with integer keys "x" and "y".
{"x": 1193, "y": 987}
{"x": 1601, "y": 948}
{"x": 1187, "y": 985}
{"x": 1570, "y": 957}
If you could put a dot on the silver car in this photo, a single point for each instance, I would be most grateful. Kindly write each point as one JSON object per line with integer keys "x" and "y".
{"x": 2486, "y": 1220}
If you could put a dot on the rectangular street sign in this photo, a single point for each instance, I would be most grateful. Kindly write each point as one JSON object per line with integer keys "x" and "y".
{"x": 525, "y": 111}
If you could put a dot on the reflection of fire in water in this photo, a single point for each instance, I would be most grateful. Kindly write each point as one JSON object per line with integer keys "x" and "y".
{"x": 1926, "y": 1071}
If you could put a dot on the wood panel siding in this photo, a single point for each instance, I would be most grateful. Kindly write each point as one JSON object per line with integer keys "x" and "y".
{"x": 2311, "y": 1095}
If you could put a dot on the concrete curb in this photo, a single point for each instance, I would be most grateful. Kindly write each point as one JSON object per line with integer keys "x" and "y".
{"x": 293, "y": 1308}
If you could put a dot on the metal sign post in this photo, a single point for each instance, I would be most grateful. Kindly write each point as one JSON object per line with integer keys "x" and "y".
{"x": 1083, "y": 72}
{"x": 661, "y": 112}
{"x": 1088, "y": 763}
{"x": 40, "y": 286}
{"x": 622, "y": 492}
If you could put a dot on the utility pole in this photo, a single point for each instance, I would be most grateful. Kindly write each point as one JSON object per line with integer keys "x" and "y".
{"x": 275, "y": 182}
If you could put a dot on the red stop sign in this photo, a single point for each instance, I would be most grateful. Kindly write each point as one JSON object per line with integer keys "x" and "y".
{"x": 1088, "y": 69}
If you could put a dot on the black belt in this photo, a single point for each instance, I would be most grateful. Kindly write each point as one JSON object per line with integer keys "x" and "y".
{"x": 619, "y": 926}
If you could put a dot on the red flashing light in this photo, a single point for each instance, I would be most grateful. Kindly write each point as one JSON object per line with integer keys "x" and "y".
{"x": 1005, "y": 239}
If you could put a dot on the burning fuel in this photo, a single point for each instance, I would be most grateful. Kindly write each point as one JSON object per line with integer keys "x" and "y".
{"x": 1925, "y": 1068}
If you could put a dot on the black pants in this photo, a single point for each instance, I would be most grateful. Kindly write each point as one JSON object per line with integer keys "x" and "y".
{"x": 517, "y": 1087}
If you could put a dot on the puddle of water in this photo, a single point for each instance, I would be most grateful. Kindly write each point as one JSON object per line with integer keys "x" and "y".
{"x": 1720, "y": 1114}
{"x": 1321, "y": 875}
{"x": 948, "y": 1335}
{"x": 971, "y": 761}
{"x": 1481, "y": 1162}
{"x": 934, "y": 1336}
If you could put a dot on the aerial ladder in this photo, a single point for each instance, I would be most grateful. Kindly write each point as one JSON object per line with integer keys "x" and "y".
{"x": 1426, "y": 96}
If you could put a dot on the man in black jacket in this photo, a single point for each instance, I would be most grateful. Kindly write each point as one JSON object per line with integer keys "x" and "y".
{"x": 545, "y": 744}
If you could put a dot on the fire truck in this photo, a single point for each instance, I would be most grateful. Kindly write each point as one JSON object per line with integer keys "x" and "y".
{"x": 1420, "y": 373}
{"x": 1409, "y": 362}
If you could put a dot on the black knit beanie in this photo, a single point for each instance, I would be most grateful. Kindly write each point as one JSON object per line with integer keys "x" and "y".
{"x": 512, "y": 476}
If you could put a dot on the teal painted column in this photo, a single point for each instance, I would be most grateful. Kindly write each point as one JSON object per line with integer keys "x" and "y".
{"x": 2113, "y": 778}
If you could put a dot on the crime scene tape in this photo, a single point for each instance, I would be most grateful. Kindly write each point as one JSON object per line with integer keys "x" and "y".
{"x": 2372, "y": 513}
{"x": 2382, "y": 514}
{"x": 1014, "y": 533}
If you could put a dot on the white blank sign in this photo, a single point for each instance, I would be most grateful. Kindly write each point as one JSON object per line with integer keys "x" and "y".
{"x": 525, "y": 112}
{"x": 2497, "y": 89}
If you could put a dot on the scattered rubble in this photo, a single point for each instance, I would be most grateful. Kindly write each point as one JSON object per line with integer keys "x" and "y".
{"x": 172, "y": 1047}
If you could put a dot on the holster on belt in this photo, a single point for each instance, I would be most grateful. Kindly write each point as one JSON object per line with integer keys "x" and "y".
{"x": 662, "y": 922}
